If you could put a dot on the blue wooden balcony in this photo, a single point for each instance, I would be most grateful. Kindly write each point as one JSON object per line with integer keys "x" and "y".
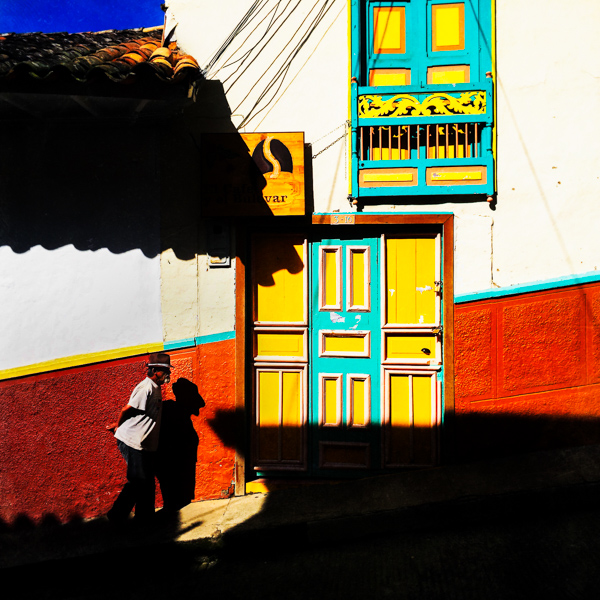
{"x": 422, "y": 140}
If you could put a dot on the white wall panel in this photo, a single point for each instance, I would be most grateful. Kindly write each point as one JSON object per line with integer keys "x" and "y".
{"x": 64, "y": 302}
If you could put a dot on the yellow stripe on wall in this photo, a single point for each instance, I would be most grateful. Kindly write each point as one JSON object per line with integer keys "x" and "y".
{"x": 80, "y": 360}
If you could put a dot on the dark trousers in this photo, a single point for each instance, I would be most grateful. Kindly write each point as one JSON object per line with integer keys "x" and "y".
{"x": 139, "y": 490}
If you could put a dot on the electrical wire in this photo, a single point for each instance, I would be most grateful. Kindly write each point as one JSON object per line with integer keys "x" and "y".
{"x": 301, "y": 68}
{"x": 241, "y": 59}
{"x": 278, "y": 55}
{"x": 246, "y": 20}
{"x": 284, "y": 69}
{"x": 248, "y": 52}
{"x": 267, "y": 43}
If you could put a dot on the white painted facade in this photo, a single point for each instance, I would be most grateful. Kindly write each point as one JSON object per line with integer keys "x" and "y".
{"x": 65, "y": 302}
{"x": 548, "y": 133}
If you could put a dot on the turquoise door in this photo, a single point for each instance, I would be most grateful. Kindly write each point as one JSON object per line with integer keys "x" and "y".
{"x": 346, "y": 352}
{"x": 345, "y": 338}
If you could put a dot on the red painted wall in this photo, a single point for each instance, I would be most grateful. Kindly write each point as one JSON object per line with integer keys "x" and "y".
{"x": 58, "y": 461}
{"x": 528, "y": 372}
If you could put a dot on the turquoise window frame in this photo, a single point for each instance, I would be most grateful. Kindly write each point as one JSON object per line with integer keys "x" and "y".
{"x": 477, "y": 54}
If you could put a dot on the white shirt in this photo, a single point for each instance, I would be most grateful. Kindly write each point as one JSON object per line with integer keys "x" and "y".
{"x": 141, "y": 432}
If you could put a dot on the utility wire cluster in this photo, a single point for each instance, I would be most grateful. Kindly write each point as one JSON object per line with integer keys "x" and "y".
{"x": 265, "y": 30}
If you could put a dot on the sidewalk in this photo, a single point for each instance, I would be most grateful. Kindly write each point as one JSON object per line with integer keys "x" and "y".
{"x": 317, "y": 513}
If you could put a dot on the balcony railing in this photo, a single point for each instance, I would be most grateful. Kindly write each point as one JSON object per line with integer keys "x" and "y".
{"x": 406, "y": 142}
{"x": 427, "y": 140}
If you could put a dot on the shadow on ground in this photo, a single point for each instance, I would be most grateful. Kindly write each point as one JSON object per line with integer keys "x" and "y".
{"x": 513, "y": 546}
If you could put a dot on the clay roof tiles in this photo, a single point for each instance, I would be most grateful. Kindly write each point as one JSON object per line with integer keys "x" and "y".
{"x": 39, "y": 60}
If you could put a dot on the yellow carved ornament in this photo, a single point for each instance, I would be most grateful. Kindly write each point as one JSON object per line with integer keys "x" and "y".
{"x": 404, "y": 105}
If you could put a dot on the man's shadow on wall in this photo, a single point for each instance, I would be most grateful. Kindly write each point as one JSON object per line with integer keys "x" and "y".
{"x": 178, "y": 446}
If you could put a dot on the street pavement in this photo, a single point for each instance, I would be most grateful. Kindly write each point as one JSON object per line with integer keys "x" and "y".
{"x": 518, "y": 527}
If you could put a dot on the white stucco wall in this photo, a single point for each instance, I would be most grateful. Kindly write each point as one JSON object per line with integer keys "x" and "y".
{"x": 65, "y": 302}
{"x": 548, "y": 152}
{"x": 313, "y": 96}
{"x": 548, "y": 140}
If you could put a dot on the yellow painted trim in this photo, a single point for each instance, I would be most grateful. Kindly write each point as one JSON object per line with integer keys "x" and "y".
{"x": 388, "y": 177}
{"x": 349, "y": 120}
{"x": 80, "y": 360}
{"x": 456, "y": 176}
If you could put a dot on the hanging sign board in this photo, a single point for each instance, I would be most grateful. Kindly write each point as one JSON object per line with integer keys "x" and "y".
{"x": 252, "y": 174}
{"x": 280, "y": 159}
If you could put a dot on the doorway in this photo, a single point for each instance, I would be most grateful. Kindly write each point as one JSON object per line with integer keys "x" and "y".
{"x": 347, "y": 351}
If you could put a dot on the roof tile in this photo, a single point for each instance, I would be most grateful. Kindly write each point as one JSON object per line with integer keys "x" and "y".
{"x": 118, "y": 57}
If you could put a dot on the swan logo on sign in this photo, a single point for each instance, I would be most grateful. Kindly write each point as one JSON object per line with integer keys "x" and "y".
{"x": 280, "y": 159}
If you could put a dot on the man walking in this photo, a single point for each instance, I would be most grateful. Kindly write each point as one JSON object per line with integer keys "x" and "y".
{"x": 137, "y": 432}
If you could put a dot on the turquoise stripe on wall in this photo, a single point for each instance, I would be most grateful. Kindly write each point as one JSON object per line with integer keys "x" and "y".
{"x": 198, "y": 341}
{"x": 180, "y": 344}
{"x": 215, "y": 337}
{"x": 537, "y": 286}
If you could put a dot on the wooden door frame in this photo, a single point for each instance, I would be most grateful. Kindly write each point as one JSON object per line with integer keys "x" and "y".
{"x": 242, "y": 293}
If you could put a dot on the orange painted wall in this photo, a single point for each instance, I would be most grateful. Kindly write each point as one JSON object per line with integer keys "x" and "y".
{"x": 527, "y": 372}
{"x": 58, "y": 462}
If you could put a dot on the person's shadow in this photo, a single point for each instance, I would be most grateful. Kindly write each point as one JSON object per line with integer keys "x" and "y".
{"x": 178, "y": 446}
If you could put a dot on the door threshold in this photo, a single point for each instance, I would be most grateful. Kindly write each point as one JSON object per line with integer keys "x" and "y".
{"x": 265, "y": 484}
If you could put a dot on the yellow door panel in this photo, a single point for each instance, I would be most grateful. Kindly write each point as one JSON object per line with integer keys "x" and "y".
{"x": 360, "y": 402}
{"x": 331, "y": 401}
{"x": 399, "y": 421}
{"x": 358, "y": 278}
{"x": 411, "y": 273}
{"x": 344, "y": 344}
{"x": 422, "y": 419}
{"x": 401, "y": 347}
{"x": 268, "y": 416}
{"x": 291, "y": 417}
{"x": 280, "y": 418}
{"x": 331, "y": 278}
{"x": 279, "y": 279}
{"x": 281, "y": 344}
{"x": 411, "y": 419}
